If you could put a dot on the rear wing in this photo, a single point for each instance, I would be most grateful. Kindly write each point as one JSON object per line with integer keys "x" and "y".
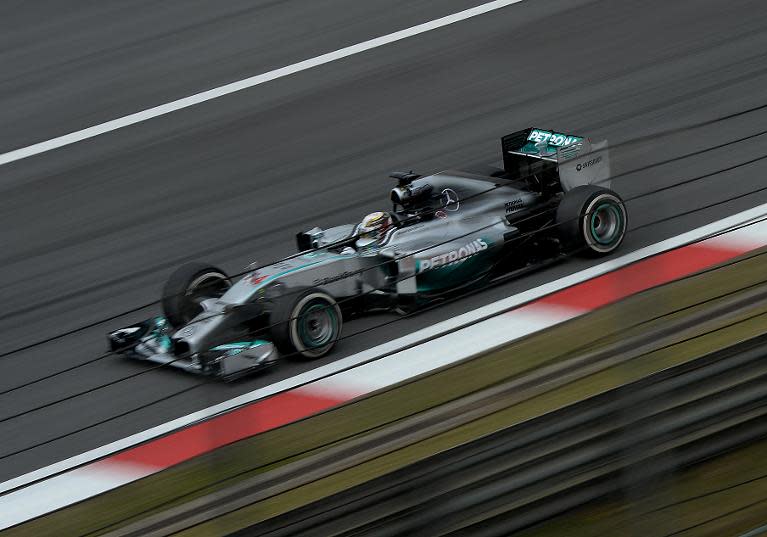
{"x": 571, "y": 160}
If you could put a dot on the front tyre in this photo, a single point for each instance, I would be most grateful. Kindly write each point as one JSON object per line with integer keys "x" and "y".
{"x": 306, "y": 324}
{"x": 186, "y": 289}
{"x": 592, "y": 220}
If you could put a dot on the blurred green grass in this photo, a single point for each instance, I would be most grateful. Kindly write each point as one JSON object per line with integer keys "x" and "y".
{"x": 719, "y": 497}
{"x": 236, "y": 462}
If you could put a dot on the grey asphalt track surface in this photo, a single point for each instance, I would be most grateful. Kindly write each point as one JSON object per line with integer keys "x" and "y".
{"x": 93, "y": 229}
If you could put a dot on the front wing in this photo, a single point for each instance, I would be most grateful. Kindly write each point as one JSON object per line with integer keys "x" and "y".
{"x": 151, "y": 341}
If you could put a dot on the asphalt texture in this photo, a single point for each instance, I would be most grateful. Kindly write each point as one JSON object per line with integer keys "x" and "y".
{"x": 92, "y": 230}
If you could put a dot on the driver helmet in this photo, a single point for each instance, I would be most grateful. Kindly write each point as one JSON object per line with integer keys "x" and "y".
{"x": 372, "y": 229}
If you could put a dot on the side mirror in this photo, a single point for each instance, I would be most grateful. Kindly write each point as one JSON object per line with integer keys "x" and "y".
{"x": 309, "y": 240}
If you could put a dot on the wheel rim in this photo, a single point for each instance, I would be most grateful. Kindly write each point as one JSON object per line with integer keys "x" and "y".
{"x": 317, "y": 324}
{"x": 606, "y": 224}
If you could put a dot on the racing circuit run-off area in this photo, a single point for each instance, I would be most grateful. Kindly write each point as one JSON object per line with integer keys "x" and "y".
{"x": 345, "y": 268}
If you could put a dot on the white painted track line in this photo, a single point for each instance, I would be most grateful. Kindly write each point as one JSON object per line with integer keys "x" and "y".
{"x": 233, "y": 87}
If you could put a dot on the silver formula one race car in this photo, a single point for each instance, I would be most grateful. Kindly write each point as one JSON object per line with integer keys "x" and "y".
{"x": 447, "y": 232}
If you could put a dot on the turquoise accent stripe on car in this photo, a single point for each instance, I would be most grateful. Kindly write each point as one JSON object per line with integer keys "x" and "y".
{"x": 273, "y": 277}
{"x": 240, "y": 345}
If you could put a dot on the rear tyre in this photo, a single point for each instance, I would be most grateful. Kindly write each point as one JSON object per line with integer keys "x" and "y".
{"x": 592, "y": 220}
{"x": 306, "y": 324}
{"x": 187, "y": 287}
